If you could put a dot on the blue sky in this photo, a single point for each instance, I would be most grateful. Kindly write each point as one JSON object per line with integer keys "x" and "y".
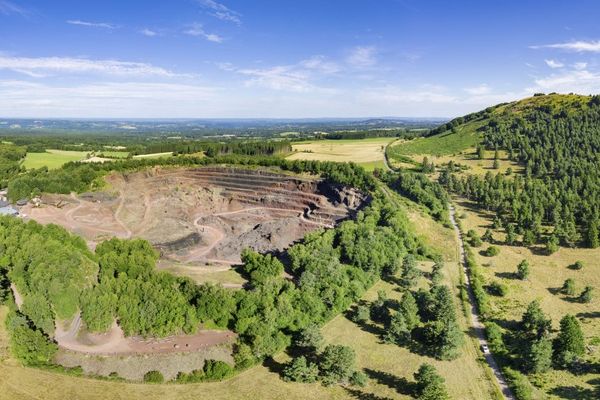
{"x": 290, "y": 58}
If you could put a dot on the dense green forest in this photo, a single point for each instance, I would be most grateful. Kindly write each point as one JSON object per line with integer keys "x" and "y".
{"x": 559, "y": 146}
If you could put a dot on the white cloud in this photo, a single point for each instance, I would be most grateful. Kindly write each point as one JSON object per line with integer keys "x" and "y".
{"x": 104, "y": 25}
{"x": 577, "y": 81}
{"x": 107, "y": 99}
{"x": 362, "y": 56}
{"x": 580, "y": 65}
{"x": 299, "y": 77}
{"x": 576, "y": 46}
{"x": 278, "y": 78}
{"x": 220, "y": 11}
{"x": 478, "y": 90}
{"x": 197, "y": 30}
{"x": 8, "y": 8}
{"x": 148, "y": 32}
{"x": 554, "y": 64}
{"x": 37, "y": 66}
{"x": 320, "y": 63}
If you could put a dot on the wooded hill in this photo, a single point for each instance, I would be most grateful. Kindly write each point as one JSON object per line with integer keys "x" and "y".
{"x": 557, "y": 140}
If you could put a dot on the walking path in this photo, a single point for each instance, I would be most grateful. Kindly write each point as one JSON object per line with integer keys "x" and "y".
{"x": 477, "y": 325}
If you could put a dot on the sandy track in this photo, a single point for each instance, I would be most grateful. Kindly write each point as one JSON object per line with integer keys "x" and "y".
{"x": 114, "y": 342}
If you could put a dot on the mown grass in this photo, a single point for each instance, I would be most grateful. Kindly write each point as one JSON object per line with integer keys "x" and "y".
{"x": 465, "y": 137}
{"x": 154, "y": 155}
{"x": 368, "y": 152}
{"x": 52, "y": 159}
{"x": 547, "y": 274}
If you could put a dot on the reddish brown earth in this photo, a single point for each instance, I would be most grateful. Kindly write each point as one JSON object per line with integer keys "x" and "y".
{"x": 203, "y": 215}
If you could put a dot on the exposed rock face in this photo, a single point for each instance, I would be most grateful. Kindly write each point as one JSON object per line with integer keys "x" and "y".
{"x": 206, "y": 215}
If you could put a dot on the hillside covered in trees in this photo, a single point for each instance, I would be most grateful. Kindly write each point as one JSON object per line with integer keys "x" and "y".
{"x": 557, "y": 140}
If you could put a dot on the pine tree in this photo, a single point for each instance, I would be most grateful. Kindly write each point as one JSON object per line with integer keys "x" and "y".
{"x": 523, "y": 270}
{"x": 569, "y": 344}
{"x": 410, "y": 310}
{"x": 539, "y": 356}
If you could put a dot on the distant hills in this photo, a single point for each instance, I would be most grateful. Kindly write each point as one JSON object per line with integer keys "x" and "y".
{"x": 207, "y": 127}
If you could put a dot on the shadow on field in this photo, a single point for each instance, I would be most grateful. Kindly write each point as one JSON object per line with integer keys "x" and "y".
{"x": 576, "y": 393}
{"x": 274, "y": 366}
{"x": 400, "y": 385}
{"x": 593, "y": 314}
{"x": 357, "y": 394}
{"x": 506, "y": 275}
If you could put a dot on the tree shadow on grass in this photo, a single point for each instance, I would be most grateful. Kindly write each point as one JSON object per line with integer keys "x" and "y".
{"x": 593, "y": 314}
{"x": 360, "y": 395}
{"x": 576, "y": 393}
{"x": 399, "y": 384}
{"x": 274, "y": 366}
{"x": 506, "y": 275}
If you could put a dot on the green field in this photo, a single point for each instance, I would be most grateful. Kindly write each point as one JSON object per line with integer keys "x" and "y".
{"x": 442, "y": 144}
{"x": 52, "y": 159}
{"x": 367, "y": 152}
{"x": 154, "y": 155}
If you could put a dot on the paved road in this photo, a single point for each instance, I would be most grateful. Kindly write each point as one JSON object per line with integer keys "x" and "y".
{"x": 478, "y": 327}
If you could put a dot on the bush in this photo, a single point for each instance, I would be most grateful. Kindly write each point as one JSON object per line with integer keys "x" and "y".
{"x": 491, "y": 251}
{"x": 568, "y": 287}
{"x": 358, "y": 378}
{"x": 154, "y": 377}
{"x": 216, "y": 370}
{"x": 587, "y": 295}
{"x": 498, "y": 289}
{"x": 519, "y": 384}
{"x": 577, "y": 265}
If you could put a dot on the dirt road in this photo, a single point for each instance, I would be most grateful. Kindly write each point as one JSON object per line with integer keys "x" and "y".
{"x": 478, "y": 327}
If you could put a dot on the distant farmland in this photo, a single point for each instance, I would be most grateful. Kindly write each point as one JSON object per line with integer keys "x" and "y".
{"x": 367, "y": 152}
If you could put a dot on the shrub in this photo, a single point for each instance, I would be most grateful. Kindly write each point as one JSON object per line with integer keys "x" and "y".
{"x": 568, "y": 287}
{"x": 216, "y": 370}
{"x": 519, "y": 384}
{"x": 587, "y": 295}
{"x": 358, "y": 378}
{"x": 498, "y": 289}
{"x": 491, "y": 251}
{"x": 577, "y": 265}
{"x": 154, "y": 377}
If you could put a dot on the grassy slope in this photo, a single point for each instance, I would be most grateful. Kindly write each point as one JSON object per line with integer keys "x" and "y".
{"x": 466, "y": 136}
{"x": 388, "y": 365}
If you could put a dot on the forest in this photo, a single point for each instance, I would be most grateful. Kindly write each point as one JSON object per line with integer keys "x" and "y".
{"x": 560, "y": 187}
